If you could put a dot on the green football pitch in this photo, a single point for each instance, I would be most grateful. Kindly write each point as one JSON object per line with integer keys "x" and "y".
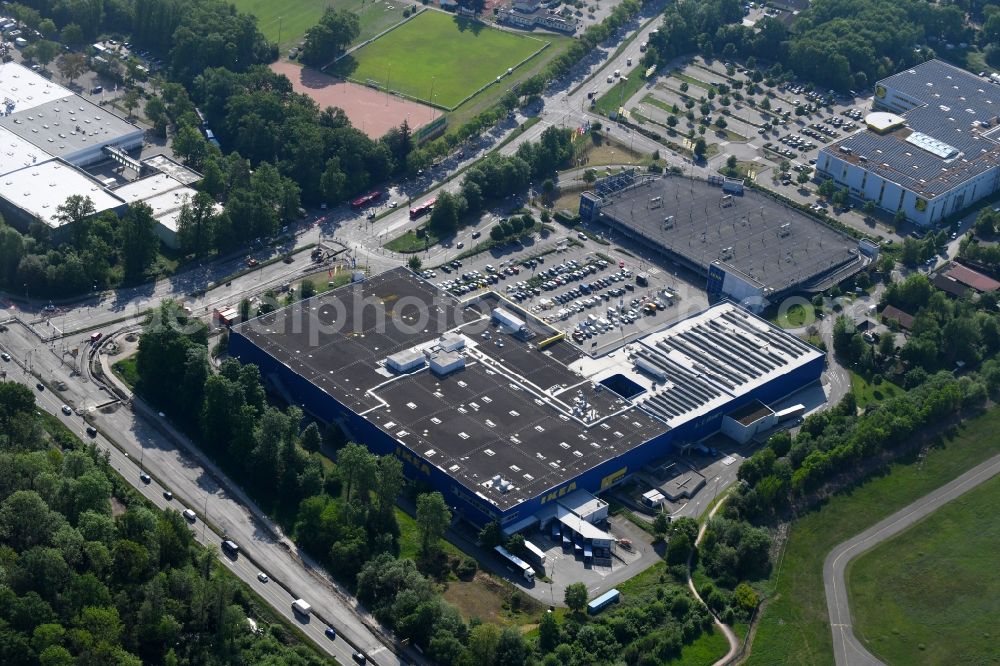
{"x": 288, "y": 21}
{"x": 440, "y": 54}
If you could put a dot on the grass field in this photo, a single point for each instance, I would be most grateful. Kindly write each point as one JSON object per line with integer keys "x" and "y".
{"x": 127, "y": 371}
{"x": 869, "y": 394}
{"x": 296, "y": 16}
{"x": 942, "y": 574}
{"x": 452, "y": 55}
{"x": 794, "y": 628}
{"x": 621, "y": 92}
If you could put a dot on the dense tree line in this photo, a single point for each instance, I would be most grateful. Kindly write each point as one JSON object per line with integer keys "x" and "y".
{"x": 81, "y": 584}
{"x": 257, "y": 115}
{"x": 840, "y": 44}
{"x": 98, "y": 251}
{"x": 497, "y": 176}
{"x": 838, "y": 441}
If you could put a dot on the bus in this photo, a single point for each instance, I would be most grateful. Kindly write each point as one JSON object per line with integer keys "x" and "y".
{"x": 366, "y": 199}
{"x": 519, "y": 565}
{"x": 423, "y": 208}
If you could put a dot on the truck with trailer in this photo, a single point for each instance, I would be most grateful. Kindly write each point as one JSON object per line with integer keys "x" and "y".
{"x": 519, "y": 565}
{"x": 536, "y": 556}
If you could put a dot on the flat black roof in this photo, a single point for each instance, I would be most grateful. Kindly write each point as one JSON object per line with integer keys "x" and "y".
{"x": 513, "y": 410}
{"x": 746, "y": 231}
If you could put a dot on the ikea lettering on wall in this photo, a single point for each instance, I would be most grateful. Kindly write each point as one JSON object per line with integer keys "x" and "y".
{"x": 556, "y": 494}
{"x": 406, "y": 456}
{"x": 613, "y": 478}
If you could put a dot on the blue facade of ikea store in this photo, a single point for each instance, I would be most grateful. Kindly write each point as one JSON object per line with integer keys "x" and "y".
{"x": 463, "y": 500}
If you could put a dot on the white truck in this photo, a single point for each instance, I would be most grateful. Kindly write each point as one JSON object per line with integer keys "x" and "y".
{"x": 302, "y": 607}
{"x": 519, "y": 565}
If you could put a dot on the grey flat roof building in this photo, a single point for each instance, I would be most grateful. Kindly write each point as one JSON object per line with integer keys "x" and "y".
{"x": 73, "y": 129}
{"x": 774, "y": 245}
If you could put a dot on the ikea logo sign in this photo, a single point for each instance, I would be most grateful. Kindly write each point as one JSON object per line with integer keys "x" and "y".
{"x": 556, "y": 494}
{"x": 406, "y": 456}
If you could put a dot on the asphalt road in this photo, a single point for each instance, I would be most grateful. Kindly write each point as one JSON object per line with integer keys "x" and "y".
{"x": 150, "y": 444}
{"x": 847, "y": 649}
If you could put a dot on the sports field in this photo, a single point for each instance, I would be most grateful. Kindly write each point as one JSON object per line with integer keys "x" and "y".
{"x": 294, "y": 17}
{"x": 930, "y": 594}
{"x": 452, "y": 55}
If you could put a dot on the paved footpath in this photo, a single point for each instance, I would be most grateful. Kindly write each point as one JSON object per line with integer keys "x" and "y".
{"x": 847, "y": 649}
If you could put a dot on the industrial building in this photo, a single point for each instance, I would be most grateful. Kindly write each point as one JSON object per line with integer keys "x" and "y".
{"x": 751, "y": 248}
{"x": 57, "y": 122}
{"x": 489, "y": 405}
{"x": 930, "y": 148}
{"x": 50, "y": 136}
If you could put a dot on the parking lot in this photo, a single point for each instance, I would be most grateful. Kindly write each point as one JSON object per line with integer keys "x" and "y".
{"x": 599, "y": 295}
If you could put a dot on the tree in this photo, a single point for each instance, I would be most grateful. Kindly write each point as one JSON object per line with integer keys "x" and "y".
{"x": 887, "y": 345}
{"x": 589, "y": 176}
{"x": 491, "y": 535}
{"x": 678, "y": 548}
{"x": 72, "y": 35}
{"x": 899, "y": 219}
{"x": 700, "y": 148}
{"x": 156, "y": 111}
{"x": 45, "y": 51}
{"x": 661, "y": 525}
{"x": 548, "y": 188}
{"x": 447, "y": 210}
{"x": 131, "y": 100}
{"x": 74, "y": 212}
{"x": 803, "y": 177}
{"x": 196, "y": 224}
{"x": 389, "y": 483}
{"x": 139, "y": 241}
{"x": 335, "y": 31}
{"x": 433, "y": 518}
{"x": 576, "y": 597}
{"x": 72, "y": 65}
{"x": 307, "y": 289}
{"x": 414, "y": 263}
{"x": 311, "y": 438}
{"x": 548, "y": 632}
{"x": 356, "y": 465}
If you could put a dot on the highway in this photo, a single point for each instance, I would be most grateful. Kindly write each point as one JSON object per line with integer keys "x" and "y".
{"x": 847, "y": 649}
{"x": 137, "y": 444}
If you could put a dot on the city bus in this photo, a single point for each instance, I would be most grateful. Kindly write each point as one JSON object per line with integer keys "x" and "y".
{"x": 422, "y": 209}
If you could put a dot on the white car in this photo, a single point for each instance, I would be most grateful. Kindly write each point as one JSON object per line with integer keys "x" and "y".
{"x": 393, "y": 204}
{"x": 66, "y": 410}
{"x": 262, "y": 577}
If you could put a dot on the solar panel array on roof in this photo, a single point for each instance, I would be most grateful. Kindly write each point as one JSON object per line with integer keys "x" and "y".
{"x": 950, "y": 114}
{"x": 716, "y": 357}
